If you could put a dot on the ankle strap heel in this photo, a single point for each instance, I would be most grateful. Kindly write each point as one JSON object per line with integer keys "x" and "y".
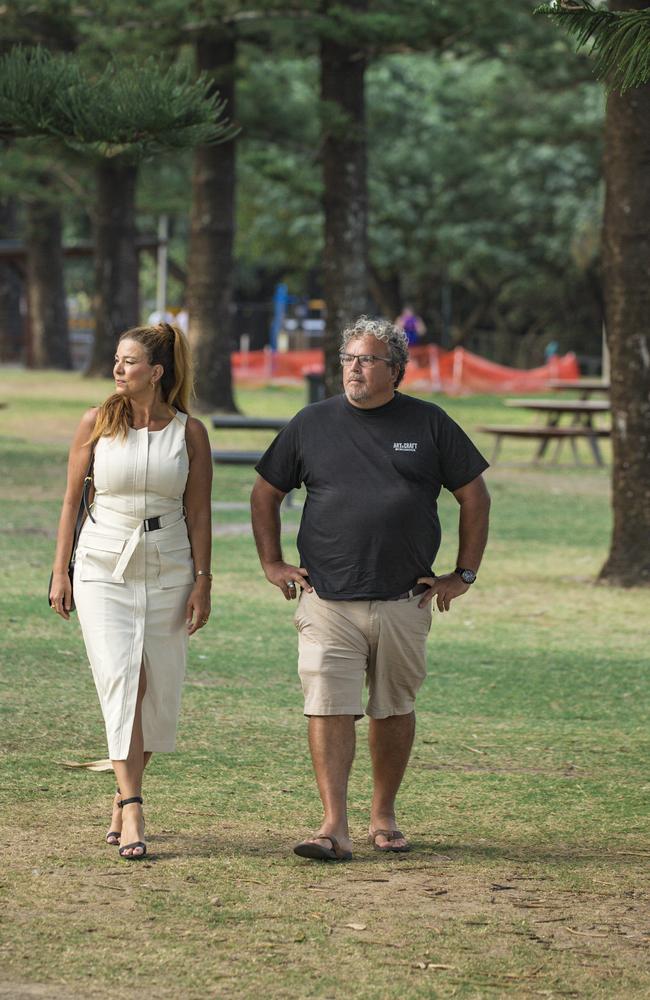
{"x": 139, "y": 844}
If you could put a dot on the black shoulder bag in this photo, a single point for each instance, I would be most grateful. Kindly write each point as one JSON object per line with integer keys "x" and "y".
{"x": 84, "y": 511}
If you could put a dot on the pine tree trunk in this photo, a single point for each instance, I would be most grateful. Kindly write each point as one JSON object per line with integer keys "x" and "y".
{"x": 48, "y": 312}
{"x": 212, "y": 231}
{"x": 386, "y": 291}
{"x": 626, "y": 273}
{"x": 345, "y": 279}
{"x": 11, "y": 283}
{"x": 116, "y": 260}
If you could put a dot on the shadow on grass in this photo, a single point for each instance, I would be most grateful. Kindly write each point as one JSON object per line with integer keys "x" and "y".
{"x": 177, "y": 846}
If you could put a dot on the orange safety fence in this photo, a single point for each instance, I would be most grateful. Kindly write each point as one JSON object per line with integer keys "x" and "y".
{"x": 430, "y": 368}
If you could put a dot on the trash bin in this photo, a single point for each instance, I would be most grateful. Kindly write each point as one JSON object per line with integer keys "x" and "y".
{"x": 315, "y": 385}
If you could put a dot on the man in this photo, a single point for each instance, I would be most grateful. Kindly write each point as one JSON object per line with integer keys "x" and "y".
{"x": 373, "y": 462}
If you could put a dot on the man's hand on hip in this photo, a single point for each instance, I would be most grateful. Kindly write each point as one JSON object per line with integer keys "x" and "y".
{"x": 445, "y": 588}
{"x": 290, "y": 579}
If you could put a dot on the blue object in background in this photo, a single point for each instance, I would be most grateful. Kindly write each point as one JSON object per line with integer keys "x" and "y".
{"x": 281, "y": 299}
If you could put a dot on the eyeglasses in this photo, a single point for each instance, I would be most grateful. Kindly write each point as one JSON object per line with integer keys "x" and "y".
{"x": 365, "y": 360}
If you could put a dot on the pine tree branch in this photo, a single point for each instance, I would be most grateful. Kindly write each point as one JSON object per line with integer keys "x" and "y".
{"x": 131, "y": 112}
{"x": 620, "y": 40}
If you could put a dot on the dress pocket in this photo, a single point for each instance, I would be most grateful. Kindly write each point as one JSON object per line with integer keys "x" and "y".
{"x": 176, "y": 568}
{"x": 98, "y": 557}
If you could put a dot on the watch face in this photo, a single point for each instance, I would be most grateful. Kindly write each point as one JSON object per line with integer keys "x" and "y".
{"x": 467, "y": 576}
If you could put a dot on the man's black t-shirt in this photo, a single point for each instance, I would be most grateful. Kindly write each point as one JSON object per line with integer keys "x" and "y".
{"x": 370, "y": 524}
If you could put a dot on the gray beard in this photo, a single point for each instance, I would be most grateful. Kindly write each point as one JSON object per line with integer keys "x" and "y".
{"x": 357, "y": 390}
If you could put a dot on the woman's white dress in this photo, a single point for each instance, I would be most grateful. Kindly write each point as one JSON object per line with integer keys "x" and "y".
{"x": 132, "y": 580}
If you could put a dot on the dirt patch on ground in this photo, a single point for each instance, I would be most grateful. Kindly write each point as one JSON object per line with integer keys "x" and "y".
{"x": 508, "y": 927}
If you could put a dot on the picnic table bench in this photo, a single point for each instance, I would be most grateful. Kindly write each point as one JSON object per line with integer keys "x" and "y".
{"x": 544, "y": 435}
{"x": 239, "y": 422}
{"x": 581, "y": 426}
{"x": 235, "y": 421}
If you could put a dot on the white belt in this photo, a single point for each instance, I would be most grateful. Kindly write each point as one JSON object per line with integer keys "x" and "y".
{"x": 134, "y": 539}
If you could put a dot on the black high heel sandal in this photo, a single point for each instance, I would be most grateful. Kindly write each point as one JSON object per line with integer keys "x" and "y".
{"x": 114, "y": 833}
{"x": 137, "y": 843}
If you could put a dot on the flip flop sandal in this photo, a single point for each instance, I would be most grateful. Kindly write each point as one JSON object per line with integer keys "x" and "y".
{"x": 390, "y": 835}
{"x": 316, "y": 852}
{"x": 136, "y": 843}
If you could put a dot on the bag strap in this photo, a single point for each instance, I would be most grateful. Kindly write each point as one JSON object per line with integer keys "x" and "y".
{"x": 88, "y": 484}
{"x": 84, "y": 506}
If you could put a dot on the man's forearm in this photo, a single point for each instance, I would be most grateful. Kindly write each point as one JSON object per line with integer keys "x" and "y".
{"x": 265, "y": 516}
{"x": 473, "y": 532}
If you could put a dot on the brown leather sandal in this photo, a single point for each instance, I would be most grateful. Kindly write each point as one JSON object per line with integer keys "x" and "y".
{"x": 307, "y": 849}
{"x": 390, "y": 835}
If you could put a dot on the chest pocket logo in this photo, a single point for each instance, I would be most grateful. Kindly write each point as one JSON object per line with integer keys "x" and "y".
{"x": 412, "y": 461}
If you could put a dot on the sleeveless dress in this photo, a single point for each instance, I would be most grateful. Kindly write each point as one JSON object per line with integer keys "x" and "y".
{"x": 132, "y": 578}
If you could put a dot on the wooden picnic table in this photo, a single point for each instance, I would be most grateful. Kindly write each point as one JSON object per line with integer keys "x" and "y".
{"x": 583, "y": 409}
{"x": 585, "y": 386}
{"x": 581, "y": 425}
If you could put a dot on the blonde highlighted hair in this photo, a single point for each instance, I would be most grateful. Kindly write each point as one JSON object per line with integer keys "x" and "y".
{"x": 164, "y": 345}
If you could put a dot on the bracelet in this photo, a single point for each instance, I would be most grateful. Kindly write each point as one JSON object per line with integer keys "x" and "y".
{"x": 203, "y": 572}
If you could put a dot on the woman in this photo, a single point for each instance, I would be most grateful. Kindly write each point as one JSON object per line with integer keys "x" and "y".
{"x": 142, "y": 570}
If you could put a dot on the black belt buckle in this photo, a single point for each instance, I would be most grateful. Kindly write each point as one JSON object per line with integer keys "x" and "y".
{"x": 152, "y": 524}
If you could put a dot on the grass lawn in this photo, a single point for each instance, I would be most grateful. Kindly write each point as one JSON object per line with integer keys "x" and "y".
{"x": 526, "y": 798}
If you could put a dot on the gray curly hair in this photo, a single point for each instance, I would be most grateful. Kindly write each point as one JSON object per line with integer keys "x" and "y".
{"x": 382, "y": 329}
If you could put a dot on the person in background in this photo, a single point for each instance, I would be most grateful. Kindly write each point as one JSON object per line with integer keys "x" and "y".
{"x": 142, "y": 568}
{"x": 373, "y": 462}
{"x": 412, "y": 325}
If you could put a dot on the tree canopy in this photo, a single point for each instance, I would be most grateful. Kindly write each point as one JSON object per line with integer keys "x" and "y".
{"x": 133, "y": 112}
{"x": 619, "y": 39}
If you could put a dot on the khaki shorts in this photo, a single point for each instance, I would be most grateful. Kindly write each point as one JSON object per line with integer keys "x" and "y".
{"x": 341, "y": 643}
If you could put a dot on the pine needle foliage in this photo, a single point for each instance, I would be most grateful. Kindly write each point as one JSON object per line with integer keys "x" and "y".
{"x": 131, "y": 112}
{"x": 620, "y": 40}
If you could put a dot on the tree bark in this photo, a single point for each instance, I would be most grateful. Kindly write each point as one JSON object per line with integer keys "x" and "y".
{"x": 345, "y": 199}
{"x": 386, "y": 291}
{"x": 11, "y": 284}
{"x": 48, "y": 311}
{"x": 212, "y": 231}
{"x": 115, "y": 303}
{"x": 626, "y": 274}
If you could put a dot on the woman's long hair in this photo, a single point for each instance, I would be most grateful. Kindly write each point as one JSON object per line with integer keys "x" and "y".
{"x": 164, "y": 345}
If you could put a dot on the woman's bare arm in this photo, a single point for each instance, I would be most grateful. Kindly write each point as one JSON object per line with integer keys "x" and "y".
{"x": 198, "y": 512}
{"x": 78, "y": 460}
